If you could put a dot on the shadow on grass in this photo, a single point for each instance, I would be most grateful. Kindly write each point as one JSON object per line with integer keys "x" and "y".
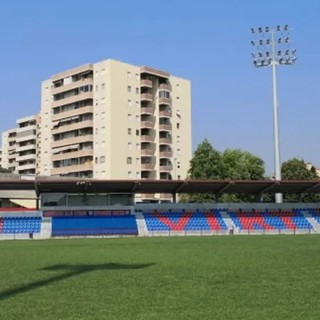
{"x": 70, "y": 271}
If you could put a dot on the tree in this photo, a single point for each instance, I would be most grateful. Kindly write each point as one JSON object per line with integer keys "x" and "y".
{"x": 3, "y": 170}
{"x": 296, "y": 169}
{"x": 208, "y": 163}
{"x": 236, "y": 164}
{"x": 204, "y": 165}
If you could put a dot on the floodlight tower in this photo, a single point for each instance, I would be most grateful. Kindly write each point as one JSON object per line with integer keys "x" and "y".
{"x": 272, "y": 48}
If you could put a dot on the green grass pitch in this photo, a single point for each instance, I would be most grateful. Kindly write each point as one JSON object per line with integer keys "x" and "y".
{"x": 239, "y": 277}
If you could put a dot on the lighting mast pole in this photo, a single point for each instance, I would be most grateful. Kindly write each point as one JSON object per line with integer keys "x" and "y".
{"x": 273, "y": 49}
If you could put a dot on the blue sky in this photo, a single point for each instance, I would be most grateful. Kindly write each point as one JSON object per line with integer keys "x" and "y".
{"x": 207, "y": 42}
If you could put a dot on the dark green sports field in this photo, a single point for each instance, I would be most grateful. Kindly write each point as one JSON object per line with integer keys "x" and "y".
{"x": 239, "y": 277}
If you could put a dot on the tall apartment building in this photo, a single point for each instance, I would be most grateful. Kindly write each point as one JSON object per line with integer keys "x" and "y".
{"x": 113, "y": 120}
{"x": 8, "y": 160}
{"x": 19, "y": 146}
{"x": 26, "y": 145}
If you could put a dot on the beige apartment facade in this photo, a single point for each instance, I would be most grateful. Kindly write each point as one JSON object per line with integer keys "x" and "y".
{"x": 113, "y": 120}
{"x": 19, "y": 146}
{"x": 8, "y": 159}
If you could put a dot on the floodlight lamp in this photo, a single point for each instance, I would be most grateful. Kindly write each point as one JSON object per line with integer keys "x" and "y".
{"x": 279, "y": 53}
{"x": 259, "y": 30}
{"x": 287, "y": 52}
{"x": 294, "y": 51}
{"x": 279, "y": 40}
{"x": 286, "y": 27}
{"x": 268, "y": 41}
{"x": 287, "y": 39}
{"x": 260, "y": 54}
{"x": 278, "y": 28}
{"x": 252, "y": 30}
{"x": 267, "y": 54}
{"x": 267, "y": 29}
{"x": 261, "y": 42}
{"x": 253, "y": 43}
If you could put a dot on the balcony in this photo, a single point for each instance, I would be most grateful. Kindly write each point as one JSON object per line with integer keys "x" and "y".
{"x": 147, "y": 124}
{"x": 72, "y": 113}
{"x": 165, "y": 114}
{"x": 147, "y": 138}
{"x": 147, "y": 166}
{"x": 74, "y": 154}
{"x": 26, "y": 157}
{"x": 147, "y": 152}
{"x": 72, "y": 99}
{"x": 146, "y": 97}
{"x": 147, "y": 110}
{"x": 28, "y": 166}
{"x": 166, "y": 101}
{"x": 31, "y": 146}
{"x": 26, "y": 128}
{"x": 71, "y": 86}
{"x": 26, "y": 138}
{"x": 165, "y": 127}
{"x": 165, "y": 140}
{"x": 165, "y": 86}
{"x": 146, "y": 83}
{"x": 165, "y": 154}
{"x": 166, "y": 168}
{"x": 73, "y": 126}
{"x": 70, "y": 169}
{"x": 73, "y": 140}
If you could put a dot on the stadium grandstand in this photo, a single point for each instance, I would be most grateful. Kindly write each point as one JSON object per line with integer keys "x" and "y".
{"x": 50, "y": 207}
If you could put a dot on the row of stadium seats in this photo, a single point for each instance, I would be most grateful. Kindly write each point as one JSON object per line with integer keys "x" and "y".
{"x": 95, "y": 226}
{"x": 166, "y": 221}
{"x": 184, "y": 221}
{"x": 242, "y": 220}
{"x": 20, "y": 225}
{"x": 315, "y": 213}
{"x": 269, "y": 220}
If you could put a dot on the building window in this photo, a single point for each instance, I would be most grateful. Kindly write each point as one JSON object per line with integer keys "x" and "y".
{"x": 129, "y": 145}
{"x": 129, "y": 116}
{"x": 129, "y": 74}
{"x": 129, "y": 160}
{"x": 137, "y": 90}
{"x": 137, "y": 175}
{"x": 96, "y": 160}
{"x": 178, "y": 125}
{"x": 103, "y": 86}
{"x": 129, "y": 174}
{"x": 129, "y": 103}
{"x": 97, "y": 87}
{"x": 137, "y": 160}
{"x": 138, "y": 146}
{"x": 102, "y": 159}
{"x": 103, "y": 71}
{"x": 129, "y": 131}
{"x": 129, "y": 88}
{"x": 137, "y": 132}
